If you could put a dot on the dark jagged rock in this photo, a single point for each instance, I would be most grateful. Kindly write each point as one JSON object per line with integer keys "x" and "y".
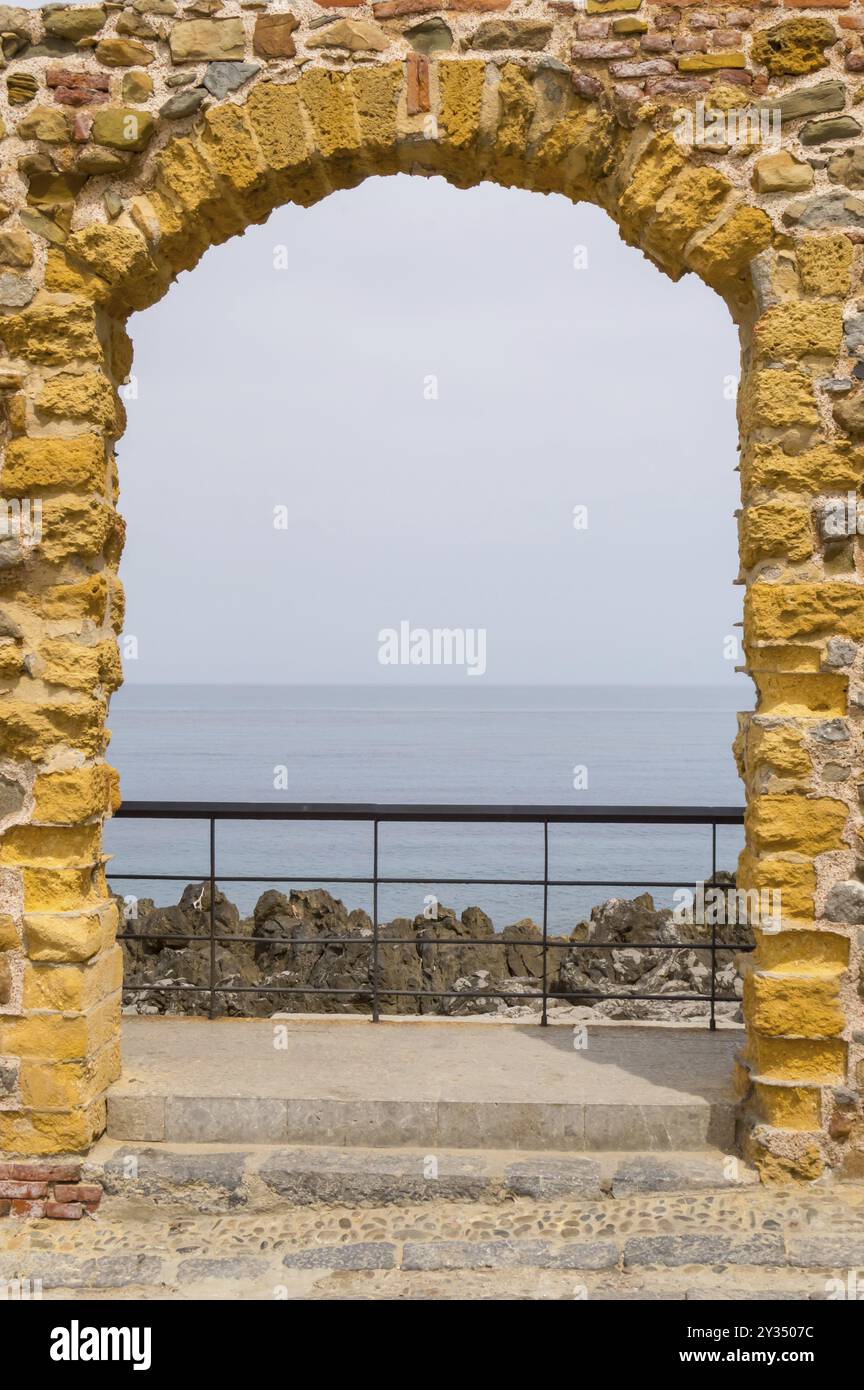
{"x": 306, "y": 953}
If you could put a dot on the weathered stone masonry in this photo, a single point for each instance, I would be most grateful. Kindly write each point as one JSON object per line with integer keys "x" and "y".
{"x": 139, "y": 135}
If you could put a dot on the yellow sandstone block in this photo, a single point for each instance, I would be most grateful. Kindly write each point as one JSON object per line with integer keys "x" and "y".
{"x": 787, "y": 331}
{"x": 73, "y": 988}
{"x": 40, "y": 1133}
{"x": 805, "y": 1165}
{"x": 67, "y": 463}
{"x": 52, "y": 334}
{"x": 57, "y": 1039}
{"x": 662, "y": 160}
{"x": 693, "y": 201}
{"x": 33, "y": 731}
{"x": 710, "y": 62}
{"x": 802, "y": 952}
{"x": 376, "y": 94}
{"x": 798, "y": 1006}
{"x": 799, "y": 824}
{"x": 83, "y": 599}
{"x": 79, "y": 526}
{"x": 61, "y": 890}
{"x": 181, "y": 241}
{"x": 228, "y": 144}
{"x": 781, "y": 750}
{"x": 775, "y": 528}
{"x": 113, "y": 253}
{"x": 76, "y": 795}
{"x": 75, "y": 936}
{"x": 825, "y": 468}
{"x": 802, "y": 695}
{"x": 720, "y": 256}
{"x": 776, "y": 399}
{"x": 825, "y": 265}
{"x": 780, "y": 612}
{"x": 78, "y": 667}
{"x": 516, "y": 108}
{"x": 819, "y": 1060}
{"x": 280, "y": 125}
{"x": 63, "y": 278}
{"x": 461, "y": 87}
{"x": 795, "y": 883}
{"x": 786, "y": 658}
{"x": 88, "y": 396}
{"x": 789, "y": 1107}
{"x": 69, "y": 1085}
{"x": 11, "y": 661}
{"x": 182, "y": 174}
{"x": 50, "y": 846}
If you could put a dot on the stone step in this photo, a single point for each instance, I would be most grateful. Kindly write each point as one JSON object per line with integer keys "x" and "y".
{"x": 453, "y": 1124}
{"x": 213, "y": 1178}
{"x": 426, "y": 1084}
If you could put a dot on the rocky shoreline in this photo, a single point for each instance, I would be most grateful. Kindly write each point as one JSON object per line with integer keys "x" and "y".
{"x": 431, "y": 966}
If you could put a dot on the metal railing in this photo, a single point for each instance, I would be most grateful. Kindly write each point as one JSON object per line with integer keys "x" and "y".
{"x": 385, "y": 813}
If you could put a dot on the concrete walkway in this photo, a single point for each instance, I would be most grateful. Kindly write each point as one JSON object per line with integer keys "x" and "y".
{"x": 452, "y": 1083}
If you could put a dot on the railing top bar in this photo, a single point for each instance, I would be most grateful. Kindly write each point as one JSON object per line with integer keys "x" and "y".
{"x": 391, "y": 811}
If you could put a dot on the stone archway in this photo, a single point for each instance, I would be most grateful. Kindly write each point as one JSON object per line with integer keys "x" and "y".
{"x": 138, "y": 136}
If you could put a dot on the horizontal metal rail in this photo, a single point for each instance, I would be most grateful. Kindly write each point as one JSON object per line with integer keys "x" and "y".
{"x": 387, "y": 811}
{"x": 390, "y": 813}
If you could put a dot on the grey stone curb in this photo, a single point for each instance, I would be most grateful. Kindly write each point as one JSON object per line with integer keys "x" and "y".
{"x": 510, "y": 1254}
{"x": 211, "y": 1180}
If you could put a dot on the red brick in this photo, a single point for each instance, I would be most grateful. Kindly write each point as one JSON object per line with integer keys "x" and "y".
{"x": 42, "y": 1172}
{"x": 79, "y": 96}
{"x": 8, "y": 1188}
{"x": 587, "y": 87}
{"x": 5, "y": 1207}
{"x": 736, "y": 76}
{"x": 21, "y": 1207}
{"x": 600, "y": 50}
{"x": 64, "y": 1211}
{"x": 418, "y": 83}
{"x": 89, "y": 1192}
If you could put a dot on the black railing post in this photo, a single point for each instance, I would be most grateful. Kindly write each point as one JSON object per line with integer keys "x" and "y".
{"x": 713, "y": 1022}
{"x": 544, "y": 1019}
{"x": 212, "y": 917}
{"x": 375, "y": 1010}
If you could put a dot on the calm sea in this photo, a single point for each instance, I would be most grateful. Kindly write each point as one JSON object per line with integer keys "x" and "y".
{"x": 622, "y": 745}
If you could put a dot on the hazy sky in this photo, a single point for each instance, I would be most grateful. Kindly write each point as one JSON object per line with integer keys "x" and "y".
{"x": 292, "y": 369}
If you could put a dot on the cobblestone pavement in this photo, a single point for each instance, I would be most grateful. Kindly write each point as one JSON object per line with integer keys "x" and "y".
{"x": 776, "y": 1243}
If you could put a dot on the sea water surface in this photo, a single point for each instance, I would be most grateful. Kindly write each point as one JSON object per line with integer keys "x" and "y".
{"x": 618, "y": 745}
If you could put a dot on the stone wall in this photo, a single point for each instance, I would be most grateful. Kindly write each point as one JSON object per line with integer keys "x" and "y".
{"x": 139, "y": 135}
